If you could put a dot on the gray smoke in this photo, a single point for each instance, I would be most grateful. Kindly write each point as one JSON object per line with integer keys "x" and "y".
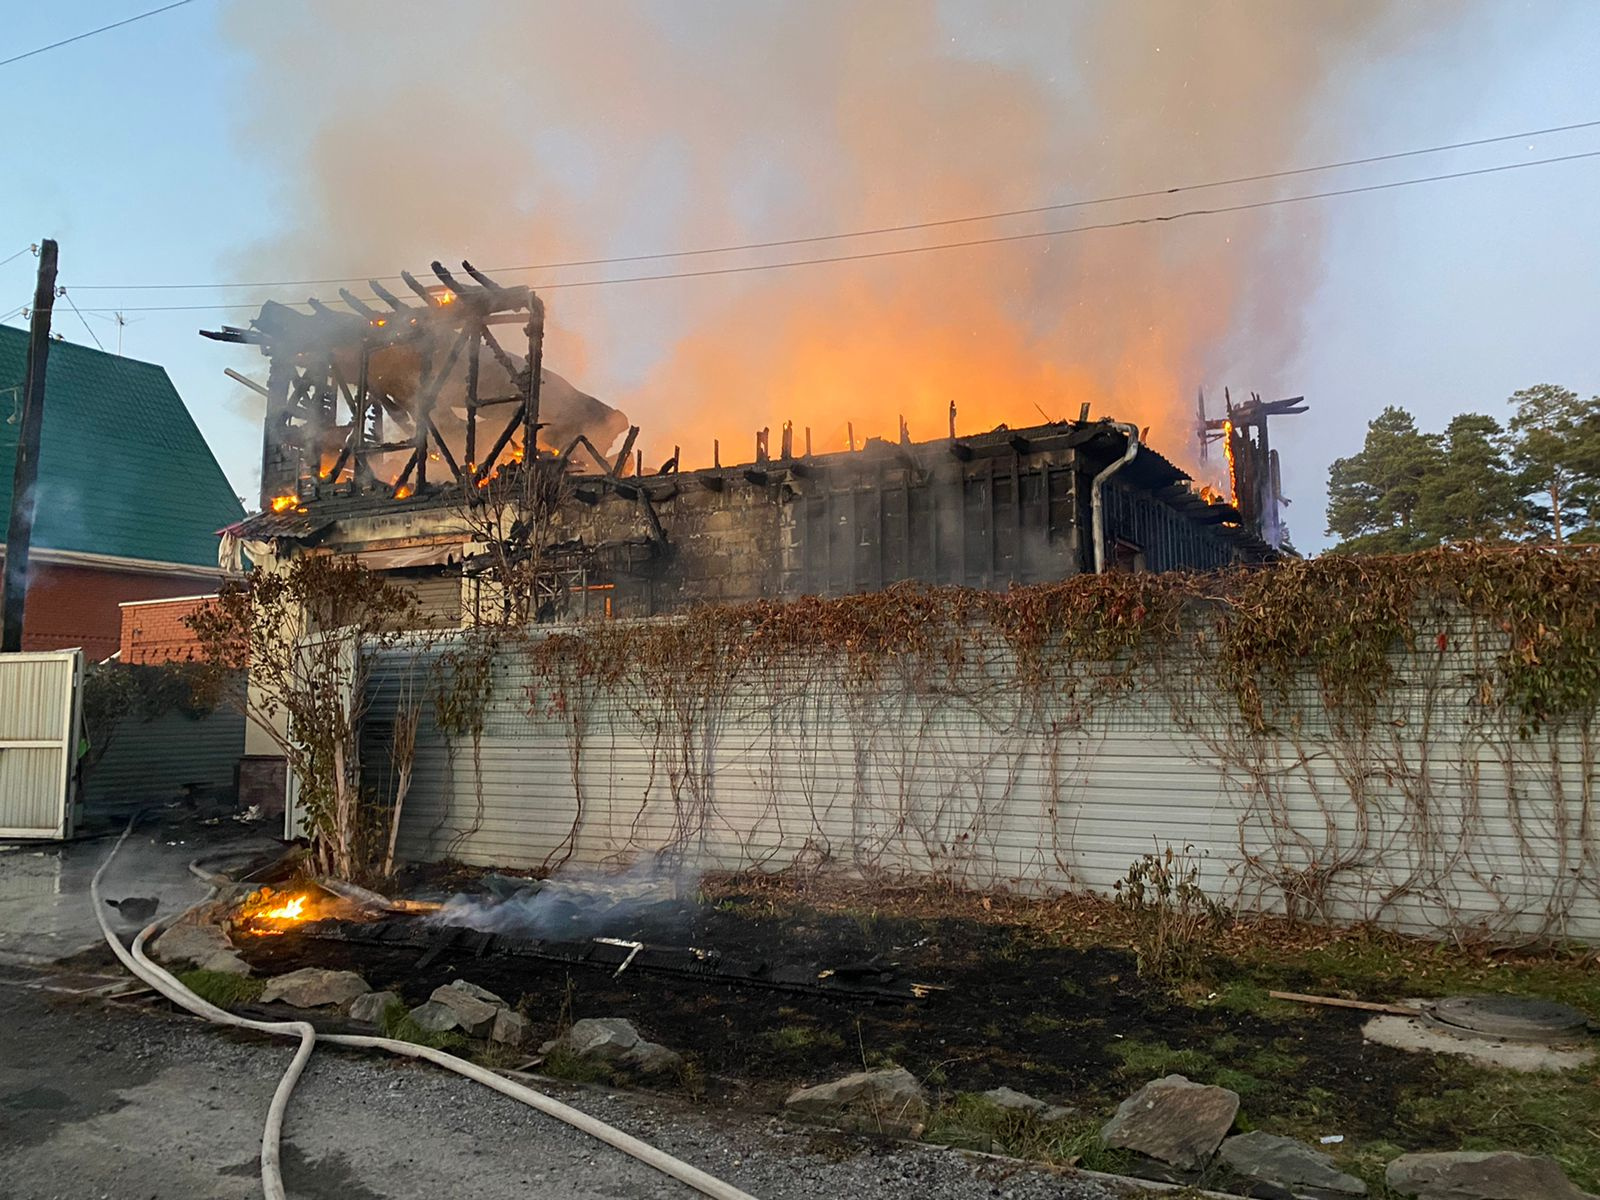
{"x": 578, "y": 902}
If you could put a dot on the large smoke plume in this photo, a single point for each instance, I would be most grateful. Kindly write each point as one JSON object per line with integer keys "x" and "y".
{"x": 517, "y": 133}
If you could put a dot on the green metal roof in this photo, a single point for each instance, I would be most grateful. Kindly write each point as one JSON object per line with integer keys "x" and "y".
{"x": 122, "y": 469}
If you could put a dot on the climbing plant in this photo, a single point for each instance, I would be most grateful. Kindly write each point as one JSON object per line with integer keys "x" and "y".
{"x": 1362, "y": 714}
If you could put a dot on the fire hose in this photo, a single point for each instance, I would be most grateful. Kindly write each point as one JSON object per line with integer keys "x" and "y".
{"x": 137, "y": 962}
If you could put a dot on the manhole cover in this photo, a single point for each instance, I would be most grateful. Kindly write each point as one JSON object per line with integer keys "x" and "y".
{"x": 1516, "y": 1018}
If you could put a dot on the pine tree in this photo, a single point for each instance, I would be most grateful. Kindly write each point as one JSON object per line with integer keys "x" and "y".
{"x": 1470, "y": 494}
{"x": 1555, "y": 451}
{"x": 1373, "y": 495}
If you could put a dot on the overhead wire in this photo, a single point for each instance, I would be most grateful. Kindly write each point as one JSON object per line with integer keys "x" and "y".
{"x": 34, "y": 247}
{"x": 778, "y": 243}
{"x": 78, "y": 37}
{"x": 62, "y": 292}
{"x": 998, "y": 239}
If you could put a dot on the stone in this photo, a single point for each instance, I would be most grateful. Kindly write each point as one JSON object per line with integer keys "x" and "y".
{"x": 1288, "y": 1164}
{"x": 1004, "y": 1097}
{"x": 649, "y": 1058}
{"x": 478, "y": 993}
{"x": 510, "y": 1028}
{"x": 434, "y": 1017}
{"x": 893, "y": 1096}
{"x": 226, "y": 962}
{"x": 474, "y": 1016}
{"x": 1174, "y": 1121}
{"x": 371, "y": 1006}
{"x": 1480, "y": 1175}
{"x": 605, "y": 1038}
{"x": 313, "y": 987}
{"x": 614, "y": 1040}
{"x": 189, "y": 942}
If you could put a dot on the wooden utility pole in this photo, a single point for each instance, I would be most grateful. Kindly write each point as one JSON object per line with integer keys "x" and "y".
{"x": 19, "y": 535}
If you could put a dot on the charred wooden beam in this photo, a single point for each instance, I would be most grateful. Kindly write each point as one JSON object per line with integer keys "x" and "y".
{"x": 961, "y": 451}
{"x": 388, "y": 297}
{"x": 506, "y": 435}
{"x": 249, "y": 383}
{"x": 627, "y": 448}
{"x": 358, "y": 305}
{"x": 482, "y": 279}
{"x": 508, "y": 364}
{"x": 412, "y": 283}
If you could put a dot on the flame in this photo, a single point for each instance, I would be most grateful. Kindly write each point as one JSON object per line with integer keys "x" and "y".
{"x": 284, "y": 503}
{"x": 267, "y": 912}
{"x": 285, "y": 912}
{"x": 1233, "y": 468}
{"x": 400, "y": 493}
{"x": 444, "y": 296}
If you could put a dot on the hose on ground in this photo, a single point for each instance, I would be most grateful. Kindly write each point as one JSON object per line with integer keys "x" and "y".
{"x": 164, "y": 982}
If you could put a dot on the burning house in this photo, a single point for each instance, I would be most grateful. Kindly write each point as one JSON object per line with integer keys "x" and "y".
{"x": 427, "y": 438}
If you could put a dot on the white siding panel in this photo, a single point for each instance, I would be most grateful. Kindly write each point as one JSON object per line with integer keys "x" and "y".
{"x": 1460, "y": 824}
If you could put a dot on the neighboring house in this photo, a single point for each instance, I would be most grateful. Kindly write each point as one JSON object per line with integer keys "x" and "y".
{"x": 129, "y": 494}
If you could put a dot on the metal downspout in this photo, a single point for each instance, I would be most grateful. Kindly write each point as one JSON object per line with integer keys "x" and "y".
{"x": 1097, "y": 507}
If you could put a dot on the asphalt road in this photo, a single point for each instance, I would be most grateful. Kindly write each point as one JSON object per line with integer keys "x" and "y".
{"x": 132, "y": 1103}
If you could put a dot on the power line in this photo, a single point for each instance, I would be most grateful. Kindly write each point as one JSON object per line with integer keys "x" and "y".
{"x": 62, "y": 292}
{"x": 885, "y": 229}
{"x": 34, "y": 248}
{"x": 78, "y": 37}
{"x": 973, "y": 242}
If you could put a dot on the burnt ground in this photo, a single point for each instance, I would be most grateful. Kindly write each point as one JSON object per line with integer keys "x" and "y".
{"x": 1068, "y": 1024}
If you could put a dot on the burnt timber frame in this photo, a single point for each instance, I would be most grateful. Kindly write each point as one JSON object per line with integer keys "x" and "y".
{"x": 327, "y": 417}
{"x": 1253, "y": 472}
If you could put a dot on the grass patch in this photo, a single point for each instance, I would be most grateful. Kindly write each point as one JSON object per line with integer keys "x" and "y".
{"x": 1247, "y": 996}
{"x": 1236, "y": 1080}
{"x": 221, "y": 988}
{"x": 1537, "y": 1113}
{"x": 1042, "y": 1023}
{"x": 396, "y": 1023}
{"x": 561, "y": 1063}
{"x": 792, "y": 1039}
{"x": 971, "y": 1122}
{"x": 1158, "y": 1058}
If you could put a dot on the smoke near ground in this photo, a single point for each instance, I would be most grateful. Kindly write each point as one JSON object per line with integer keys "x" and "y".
{"x": 655, "y": 895}
{"x": 516, "y": 133}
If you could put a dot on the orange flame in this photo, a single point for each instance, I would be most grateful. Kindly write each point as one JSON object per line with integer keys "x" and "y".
{"x": 284, "y": 503}
{"x": 285, "y": 912}
{"x": 1233, "y": 468}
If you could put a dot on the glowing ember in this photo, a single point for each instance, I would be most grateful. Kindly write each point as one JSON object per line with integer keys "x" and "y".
{"x": 284, "y": 503}
{"x": 400, "y": 493}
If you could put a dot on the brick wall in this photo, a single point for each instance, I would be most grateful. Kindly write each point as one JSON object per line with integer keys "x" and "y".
{"x": 153, "y": 631}
{"x": 78, "y": 606}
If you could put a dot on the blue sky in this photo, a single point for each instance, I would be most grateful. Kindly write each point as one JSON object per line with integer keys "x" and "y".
{"x": 142, "y": 151}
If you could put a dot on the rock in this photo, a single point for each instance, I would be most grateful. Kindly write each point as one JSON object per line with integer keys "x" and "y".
{"x": 1004, "y": 1097}
{"x": 227, "y": 962}
{"x": 474, "y": 1016}
{"x": 871, "y": 1099}
{"x": 1480, "y": 1175}
{"x": 604, "y": 1038}
{"x": 614, "y": 1040}
{"x": 478, "y": 993}
{"x": 648, "y": 1058}
{"x": 371, "y": 1006}
{"x": 188, "y": 942}
{"x": 1290, "y": 1165}
{"x": 509, "y": 1027}
{"x": 434, "y": 1017}
{"x": 1174, "y": 1121}
{"x": 313, "y": 987}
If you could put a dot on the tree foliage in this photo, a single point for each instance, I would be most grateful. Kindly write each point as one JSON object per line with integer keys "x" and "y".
{"x": 297, "y": 630}
{"x": 1536, "y": 479}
